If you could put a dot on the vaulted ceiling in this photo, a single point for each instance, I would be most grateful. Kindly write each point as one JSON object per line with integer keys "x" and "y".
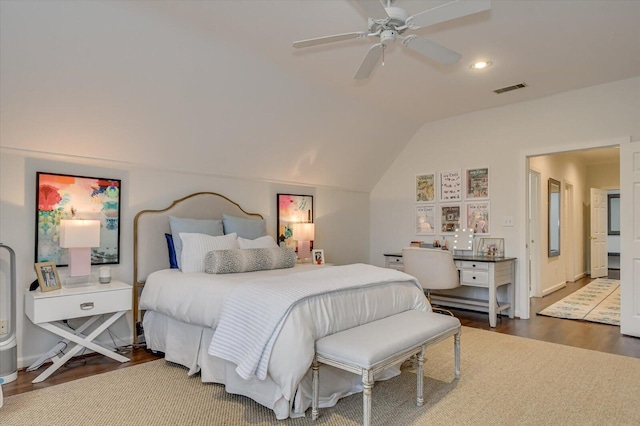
{"x": 216, "y": 86}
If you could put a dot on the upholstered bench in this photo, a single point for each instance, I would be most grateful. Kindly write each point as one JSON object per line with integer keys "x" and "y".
{"x": 372, "y": 347}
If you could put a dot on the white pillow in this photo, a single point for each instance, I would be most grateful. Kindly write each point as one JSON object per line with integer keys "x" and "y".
{"x": 196, "y": 246}
{"x": 261, "y": 242}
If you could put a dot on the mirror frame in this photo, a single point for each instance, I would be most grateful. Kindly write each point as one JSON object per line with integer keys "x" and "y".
{"x": 554, "y": 215}
{"x": 613, "y": 226}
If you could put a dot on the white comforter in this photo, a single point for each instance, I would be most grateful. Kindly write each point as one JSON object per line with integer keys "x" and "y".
{"x": 200, "y": 299}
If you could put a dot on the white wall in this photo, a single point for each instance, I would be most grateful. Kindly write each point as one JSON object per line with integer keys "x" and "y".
{"x": 501, "y": 138}
{"x": 342, "y": 218}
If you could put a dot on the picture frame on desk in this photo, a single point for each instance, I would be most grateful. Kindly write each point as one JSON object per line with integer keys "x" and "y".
{"x": 48, "y": 277}
{"x": 318, "y": 256}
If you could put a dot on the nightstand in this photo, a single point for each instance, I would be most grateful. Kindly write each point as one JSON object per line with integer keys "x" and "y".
{"x": 49, "y": 310}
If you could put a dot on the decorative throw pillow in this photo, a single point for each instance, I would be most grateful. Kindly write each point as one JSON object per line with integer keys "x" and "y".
{"x": 198, "y": 226}
{"x": 249, "y": 260}
{"x": 196, "y": 246}
{"x": 173, "y": 262}
{"x": 245, "y": 228}
{"x": 261, "y": 242}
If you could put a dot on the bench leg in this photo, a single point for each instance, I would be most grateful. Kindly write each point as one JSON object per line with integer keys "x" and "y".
{"x": 456, "y": 351}
{"x": 367, "y": 383}
{"x": 316, "y": 389}
{"x": 420, "y": 377}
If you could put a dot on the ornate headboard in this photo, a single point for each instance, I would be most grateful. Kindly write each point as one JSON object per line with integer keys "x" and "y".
{"x": 149, "y": 226}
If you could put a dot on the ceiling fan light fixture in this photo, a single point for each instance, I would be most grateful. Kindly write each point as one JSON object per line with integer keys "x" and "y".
{"x": 480, "y": 65}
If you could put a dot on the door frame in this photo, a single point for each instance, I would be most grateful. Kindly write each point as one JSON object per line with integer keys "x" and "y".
{"x": 534, "y": 232}
{"x": 568, "y": 231}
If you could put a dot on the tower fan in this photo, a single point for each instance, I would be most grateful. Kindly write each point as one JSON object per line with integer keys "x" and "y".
{"x": 8, "y": 345}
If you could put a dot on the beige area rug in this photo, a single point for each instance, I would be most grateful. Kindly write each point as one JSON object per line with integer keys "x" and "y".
{"x": 598, "y": 301}
{"x": 506, "y": 380}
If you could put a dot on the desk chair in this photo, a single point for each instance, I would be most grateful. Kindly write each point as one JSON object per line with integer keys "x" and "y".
{"x": 433, "y": 268}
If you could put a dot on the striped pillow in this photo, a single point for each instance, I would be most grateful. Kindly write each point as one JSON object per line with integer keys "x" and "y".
{"x": 249, "y": 260}
{"x": 196, "y": 246}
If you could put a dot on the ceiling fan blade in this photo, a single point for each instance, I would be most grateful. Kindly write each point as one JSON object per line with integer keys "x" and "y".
{"x": 329, "y": 39}
{"x": 446, "y": 12}
{"x": 369, "y": 62}
{"x": 431, "y": 50}
{"x": 374, "y": 9}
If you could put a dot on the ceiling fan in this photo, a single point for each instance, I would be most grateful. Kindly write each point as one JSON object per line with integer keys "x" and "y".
{"x": 388, "y": 23}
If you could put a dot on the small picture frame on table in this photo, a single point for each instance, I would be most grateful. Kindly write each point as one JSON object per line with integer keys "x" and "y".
{"x": 48, "y": 277}
{"x": 318, "y": 256}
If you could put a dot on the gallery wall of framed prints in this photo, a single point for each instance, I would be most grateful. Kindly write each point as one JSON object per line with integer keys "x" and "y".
{"x": 452, "y": 199}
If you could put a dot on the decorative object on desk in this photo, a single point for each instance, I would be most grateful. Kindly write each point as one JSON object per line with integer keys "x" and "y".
{"x": 48, "y": 277}
{"x": 304, "y": 234}
{"x": 425, "y": 220}
{"x": 449, "y": 218}
{"x": 318, "y": 256}
{"x": 450, "y": 186}
{"x": 105, "y": 275}
{"x": 79, "y": 236}
{"x": 463, "y": 239}
{"x": 292, "y": 208}
{"x": 436, "y": 244}
{"x": 478, "y": 217}
{"x": 491, "y": 247}
{"x": 426, "y": 188}
{"x": 65, "y": 196}
{"x": 415, "y": 243}
{"x": 477, "y": 183}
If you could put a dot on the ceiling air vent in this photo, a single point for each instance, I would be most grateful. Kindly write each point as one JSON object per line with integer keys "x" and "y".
{"x": 510, "y": 88}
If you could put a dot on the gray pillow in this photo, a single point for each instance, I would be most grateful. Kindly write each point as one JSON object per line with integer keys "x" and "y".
{"x": 192, "y": 226}
{"x": 245, "y": 228}
{"x": 249, "y": 260}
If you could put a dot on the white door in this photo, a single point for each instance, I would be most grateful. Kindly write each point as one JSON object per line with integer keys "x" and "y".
{"x": 630, "y": 239}
{"x": 535, "y": 289}
{"x": 599, "y": 255}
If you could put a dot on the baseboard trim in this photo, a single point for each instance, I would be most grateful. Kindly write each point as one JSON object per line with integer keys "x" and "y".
{"x": 554, "y": 288}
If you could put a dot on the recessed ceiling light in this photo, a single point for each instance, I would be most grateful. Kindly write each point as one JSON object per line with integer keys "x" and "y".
{"x": 480, "y": 65}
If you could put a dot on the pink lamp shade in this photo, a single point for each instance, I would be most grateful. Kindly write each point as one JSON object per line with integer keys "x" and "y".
{"x": 79, "y": 236}
{"x": 304, "y": 233}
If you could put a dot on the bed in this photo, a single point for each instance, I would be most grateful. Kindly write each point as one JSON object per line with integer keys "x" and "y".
{"x": 254, "y": 332}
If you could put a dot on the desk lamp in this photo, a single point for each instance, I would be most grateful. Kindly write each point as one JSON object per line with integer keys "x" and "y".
{"x": 304, "y": 233}
{"x": 79, "y": 236}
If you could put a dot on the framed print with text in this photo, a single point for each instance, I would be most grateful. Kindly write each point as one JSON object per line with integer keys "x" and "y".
{"x": 449, "y": 218}
{"x": 477, "y": 183}
{"x": 426, "y": 188}
{"x": 450, "y": 185}
{"x": 478, "y": 217}
{"x": 426, "y": 220}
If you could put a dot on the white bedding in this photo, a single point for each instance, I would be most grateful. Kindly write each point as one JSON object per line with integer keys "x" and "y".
{"x": 199, "y": 302}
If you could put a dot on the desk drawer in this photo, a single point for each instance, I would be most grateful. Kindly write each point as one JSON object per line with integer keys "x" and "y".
{"x": 474, "y": 277}
{"x": 394, "y": 262}
{"x": 80, "y": 305}
{"x": 465, "y": 264}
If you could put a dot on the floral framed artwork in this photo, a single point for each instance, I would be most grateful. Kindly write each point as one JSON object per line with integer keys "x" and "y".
{"x": 318, "y": 256}
{"x": 292, "y": 208}
{"x": 478, "y": 217}
{"x": 48, "y": 277}
{"x": 450, "y": 185}
{"x": 449, "y": 218}
{"x": 477, "y": 183}
{"x": 425, "y": 220}
{"x": 426, "y": 188}
{"x": 60, "y": 197}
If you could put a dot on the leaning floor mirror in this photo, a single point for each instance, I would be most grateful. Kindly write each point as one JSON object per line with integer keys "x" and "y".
{"x": 554, "y": 218}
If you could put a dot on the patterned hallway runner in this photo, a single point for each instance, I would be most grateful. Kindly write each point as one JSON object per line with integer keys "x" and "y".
{"x": 598, "y": 301}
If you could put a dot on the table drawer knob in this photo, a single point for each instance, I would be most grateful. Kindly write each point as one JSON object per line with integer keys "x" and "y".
{"x": 86, "y": 306}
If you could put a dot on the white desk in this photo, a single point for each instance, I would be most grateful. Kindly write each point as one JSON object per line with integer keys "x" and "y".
{"x": 476, "y": 271}
{"x": 49, "y": 310}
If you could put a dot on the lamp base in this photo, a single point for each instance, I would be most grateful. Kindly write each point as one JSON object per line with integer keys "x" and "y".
{"x": 304, "y": 251}
{"x": 79, "y": 261}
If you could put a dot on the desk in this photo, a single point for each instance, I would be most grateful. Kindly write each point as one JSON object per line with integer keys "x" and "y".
{"x": 476, "y": 271}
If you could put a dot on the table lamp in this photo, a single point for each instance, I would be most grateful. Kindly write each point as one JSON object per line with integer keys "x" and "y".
{"x": 304, "y": 234}
{"x": 79, "y": 236}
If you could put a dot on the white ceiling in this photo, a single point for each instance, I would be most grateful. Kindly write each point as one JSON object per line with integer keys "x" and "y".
{"x": 552, "y": 46}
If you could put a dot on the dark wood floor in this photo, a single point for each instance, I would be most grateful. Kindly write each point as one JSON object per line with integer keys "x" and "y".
{"x": 582, "y": 334}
